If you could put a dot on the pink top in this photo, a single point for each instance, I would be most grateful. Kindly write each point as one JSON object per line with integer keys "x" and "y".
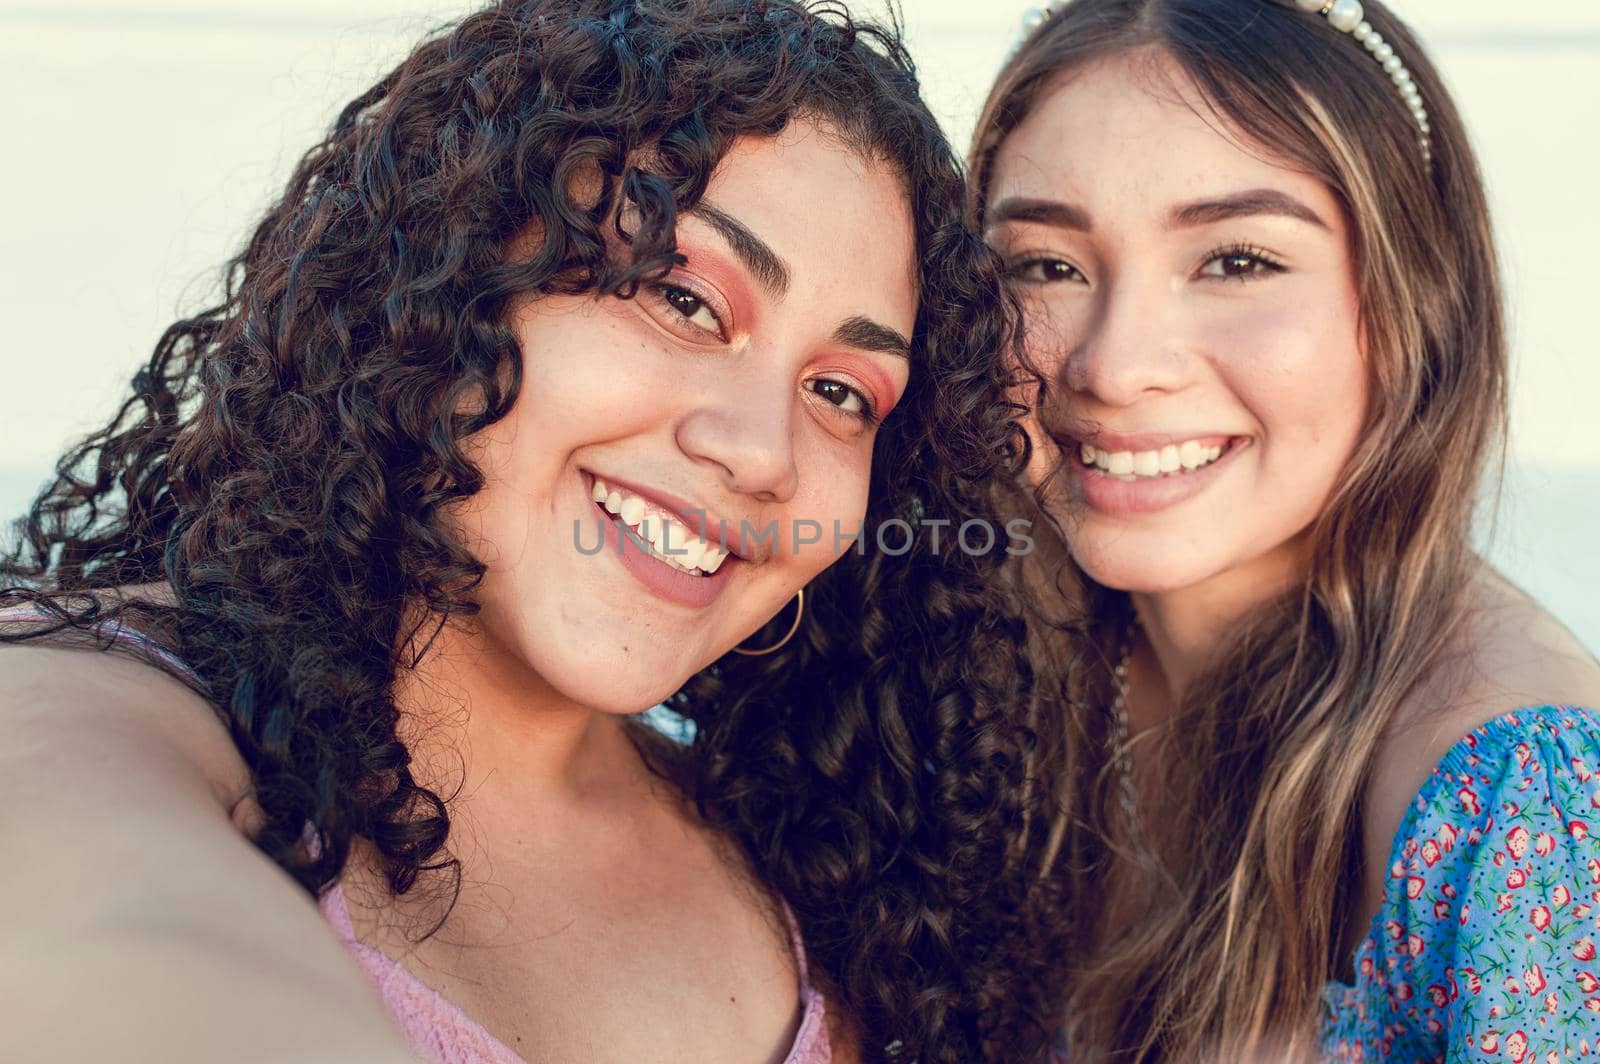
{"x": 438, "y": 1031}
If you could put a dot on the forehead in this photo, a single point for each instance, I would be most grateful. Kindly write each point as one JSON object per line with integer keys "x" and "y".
{"x": 1133, "y": 127}
{"x": 842, "y": 223}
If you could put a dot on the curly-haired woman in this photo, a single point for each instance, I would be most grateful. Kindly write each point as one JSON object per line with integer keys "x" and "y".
{"x": 1352, "y": 821}
{"x": 522, "y": 410}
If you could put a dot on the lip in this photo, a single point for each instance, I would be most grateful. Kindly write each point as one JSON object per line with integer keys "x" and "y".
{"x": 1102, "y": 440}
{"x": 728, "y": 535}
{"x": 1118, "y": 498}
{"x": 657, "y": 577}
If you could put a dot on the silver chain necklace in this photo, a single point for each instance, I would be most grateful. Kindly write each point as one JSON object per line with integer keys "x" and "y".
{"x": 1121, "y": 741}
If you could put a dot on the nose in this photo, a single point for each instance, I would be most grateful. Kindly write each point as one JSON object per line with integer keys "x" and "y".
{"x": 744, "y": 427}
{"x": 1125, "y": 351}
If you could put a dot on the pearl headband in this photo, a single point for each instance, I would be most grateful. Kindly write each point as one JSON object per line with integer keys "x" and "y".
{"x": 1346, "y": 16}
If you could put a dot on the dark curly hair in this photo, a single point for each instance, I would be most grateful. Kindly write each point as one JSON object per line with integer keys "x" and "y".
{"x": 286, "y": 458}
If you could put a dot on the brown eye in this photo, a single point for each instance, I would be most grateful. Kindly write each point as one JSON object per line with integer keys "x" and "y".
{"x": 691, "y": 308}
{"x": 1239, "y": 264}
{"x": 1045, "y": 271}
{"x": 844, "y": 397}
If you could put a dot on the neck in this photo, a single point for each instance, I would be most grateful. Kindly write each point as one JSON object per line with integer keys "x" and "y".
{"x": 1185, "y": 626}
{"x": 481, "y": 723}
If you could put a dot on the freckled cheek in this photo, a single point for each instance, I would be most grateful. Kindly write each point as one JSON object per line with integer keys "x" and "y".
{"x": 838, "y": 508}
{"x": 590, "y": 367}
{"x": 1284, "y": 364}
{"x": 1047, "y": 337}
{"x": 1305, "y": 389}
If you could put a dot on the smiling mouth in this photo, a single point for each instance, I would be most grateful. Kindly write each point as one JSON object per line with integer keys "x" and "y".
{"x": 1173, "y": 460}
{"x": 661, "y": 534}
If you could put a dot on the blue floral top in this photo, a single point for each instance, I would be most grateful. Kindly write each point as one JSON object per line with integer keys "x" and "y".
{"x": 1484, "y": 949}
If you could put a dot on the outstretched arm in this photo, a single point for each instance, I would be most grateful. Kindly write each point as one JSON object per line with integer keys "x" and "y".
{"x": 139, "y": 922}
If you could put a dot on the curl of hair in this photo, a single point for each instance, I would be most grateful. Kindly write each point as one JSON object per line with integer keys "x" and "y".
{"x": 286, "y": 456}
{"x": 1256, "y": 873}
{"x": 893, "y": 789}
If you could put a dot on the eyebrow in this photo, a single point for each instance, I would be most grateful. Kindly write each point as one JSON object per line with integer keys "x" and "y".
{"x": 773, "y": 274}
{"x": 1042, "y": 212}
{"x": 1241, "y": 205}
{"x": 756, "y": 254}
{"x": 868, "y": 335}
{"x": 1256, "y": 201}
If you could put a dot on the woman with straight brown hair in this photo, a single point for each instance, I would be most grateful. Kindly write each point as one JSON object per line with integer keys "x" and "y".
{"x": 1329, "y": 779}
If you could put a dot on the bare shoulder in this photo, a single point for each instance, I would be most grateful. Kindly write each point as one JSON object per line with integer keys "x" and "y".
{"x": 1507, "y": 653}
{"x": 1510, "y": 653}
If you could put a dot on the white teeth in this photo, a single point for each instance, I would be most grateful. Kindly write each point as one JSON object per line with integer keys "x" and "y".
{"x": 669, "y": 536}
{"x": 669, "y": 540}
{"x": 1133, "y": 465}
{"x": 688, "y": 550}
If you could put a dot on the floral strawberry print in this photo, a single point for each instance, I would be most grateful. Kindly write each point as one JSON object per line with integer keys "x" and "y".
{"x": 1485, "y": 948}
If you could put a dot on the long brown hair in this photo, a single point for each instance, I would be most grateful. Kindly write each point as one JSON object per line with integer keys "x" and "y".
{"x": 1233, "y": 946}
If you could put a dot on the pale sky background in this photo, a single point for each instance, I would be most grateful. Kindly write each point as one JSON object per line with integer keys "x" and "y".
{"x": 141, "y": 140}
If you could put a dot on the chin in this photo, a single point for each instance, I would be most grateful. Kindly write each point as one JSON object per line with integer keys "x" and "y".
{"x": 618, "y": 687}
{"x": 613, "y": 698}
{"x": 1139, "y": 572}
{"x": 618, "y": 672}
{"x": 578, "y": 650}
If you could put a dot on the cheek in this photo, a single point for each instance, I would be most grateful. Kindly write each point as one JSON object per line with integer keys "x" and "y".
{"x": 1304, "y": 380}
{"x": 1047, "y": 342}
{"x": 820, "y": 524}
{"x": 586, "y": 380}
{"x": 484, "y": 522}
{"x": 1048, "y": 329}
{"x": 585, "y": 368}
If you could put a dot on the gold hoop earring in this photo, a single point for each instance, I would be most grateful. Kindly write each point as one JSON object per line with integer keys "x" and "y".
{"x": 799, "y": 609}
